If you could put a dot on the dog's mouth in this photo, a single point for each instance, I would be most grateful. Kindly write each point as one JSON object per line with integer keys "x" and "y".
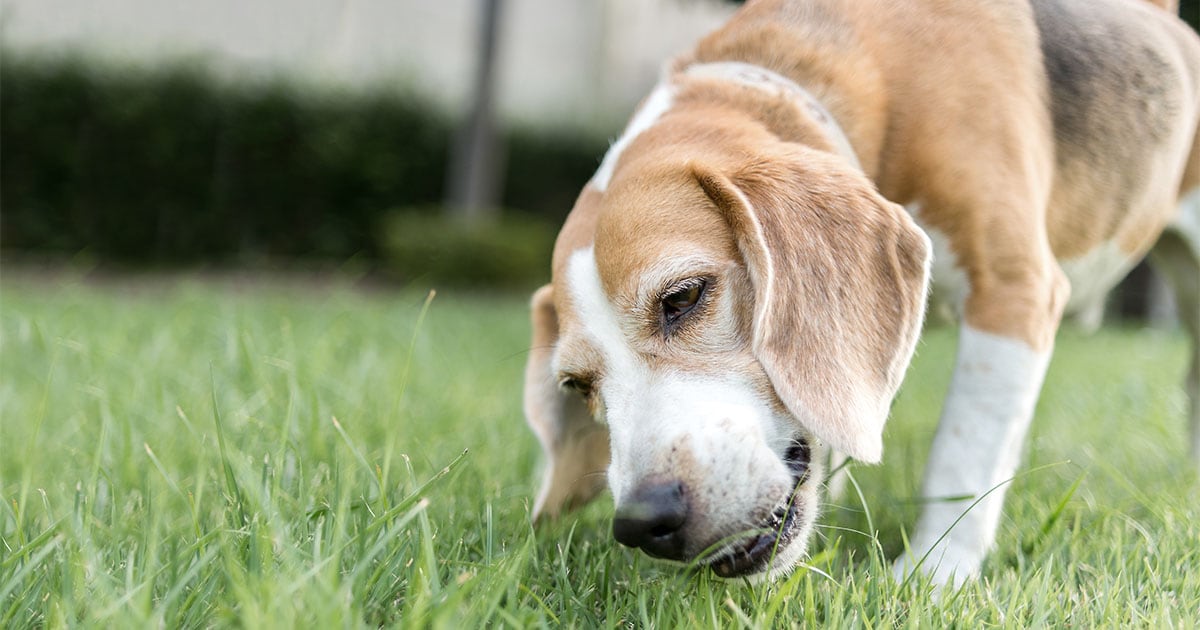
{"x": 755, "y": 549}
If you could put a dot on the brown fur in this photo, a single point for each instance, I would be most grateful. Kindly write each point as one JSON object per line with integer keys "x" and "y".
{"x": 917, "y": 88}
{"x": 952, "y": 106}
{"x": 836, "y": 355}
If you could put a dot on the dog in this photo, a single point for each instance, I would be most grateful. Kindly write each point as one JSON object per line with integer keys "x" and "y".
{"x": 738, "y": 290}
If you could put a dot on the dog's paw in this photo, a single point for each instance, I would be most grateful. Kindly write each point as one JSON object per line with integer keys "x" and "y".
{"x": 945, "y": 565}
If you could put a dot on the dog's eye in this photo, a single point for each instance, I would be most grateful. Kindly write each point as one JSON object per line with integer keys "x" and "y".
{"x": 679, "y": 301}
{"x": 577, "y": 384}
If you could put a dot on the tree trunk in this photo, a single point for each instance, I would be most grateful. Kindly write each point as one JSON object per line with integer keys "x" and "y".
{"x": 474, "y": 175}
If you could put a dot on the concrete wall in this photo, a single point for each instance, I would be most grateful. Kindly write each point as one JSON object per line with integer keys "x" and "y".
{"x": 575, "y": 62}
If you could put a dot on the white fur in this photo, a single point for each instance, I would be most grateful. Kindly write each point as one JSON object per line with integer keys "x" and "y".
{"x": 950, "y": 285}
{"x": 1187, "y": 216}
{"x": 712, "y": 432}
{"x": 1094, "y": 273}
{"x": 976, "y": 449}
{"x": 657, "y": 103}
{"x": 599, "y": 320}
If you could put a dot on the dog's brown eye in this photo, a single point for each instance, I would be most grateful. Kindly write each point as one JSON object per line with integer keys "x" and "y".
{"x": 679, "y": 302}
{"x": 582, "y": 386}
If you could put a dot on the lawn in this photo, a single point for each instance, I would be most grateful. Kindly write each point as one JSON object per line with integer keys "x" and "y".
{"x": 191, "y": 453}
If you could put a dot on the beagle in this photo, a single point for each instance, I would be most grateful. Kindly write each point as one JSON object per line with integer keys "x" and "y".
{"x": 739, "y": 288}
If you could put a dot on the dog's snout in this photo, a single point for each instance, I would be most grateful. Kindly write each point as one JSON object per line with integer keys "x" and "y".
{"x": 652, "y": 519}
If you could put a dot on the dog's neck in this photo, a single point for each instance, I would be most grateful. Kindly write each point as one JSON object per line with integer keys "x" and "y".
{"x": 775, "y": 84}
{"x": 764, "y": 92}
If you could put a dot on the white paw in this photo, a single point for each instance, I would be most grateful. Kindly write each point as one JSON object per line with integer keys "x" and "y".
{"x": 946, "y": 564}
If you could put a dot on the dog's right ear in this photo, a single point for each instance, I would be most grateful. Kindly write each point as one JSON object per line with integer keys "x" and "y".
{"x": 840, "y": 276}
{"x": 575, "y": 445}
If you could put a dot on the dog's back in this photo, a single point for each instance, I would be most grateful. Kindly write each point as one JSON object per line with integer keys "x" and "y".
{"x": 1123, "y": 78}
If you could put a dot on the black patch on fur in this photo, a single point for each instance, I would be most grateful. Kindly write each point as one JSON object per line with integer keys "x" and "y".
{"x": 1110, "y": 85}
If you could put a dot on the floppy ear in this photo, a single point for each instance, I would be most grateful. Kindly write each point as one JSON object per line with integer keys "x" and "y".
{"x": 575, "y": 445}
{"x": 840, "y": 277}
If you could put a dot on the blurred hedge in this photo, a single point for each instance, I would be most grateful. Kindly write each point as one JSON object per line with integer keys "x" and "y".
{"x": 512, "y": 250}
{"x": 172, "y": 167}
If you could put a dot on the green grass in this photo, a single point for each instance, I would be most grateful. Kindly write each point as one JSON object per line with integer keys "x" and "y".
{"x": 169, "y": 457}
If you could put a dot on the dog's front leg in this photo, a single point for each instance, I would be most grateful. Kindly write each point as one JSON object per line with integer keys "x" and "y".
{"x": 1003, "y": 351}
{"x": 976, "y": 449}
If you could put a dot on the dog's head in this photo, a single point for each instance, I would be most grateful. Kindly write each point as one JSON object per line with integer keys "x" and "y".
{"x": 712, "y": 325}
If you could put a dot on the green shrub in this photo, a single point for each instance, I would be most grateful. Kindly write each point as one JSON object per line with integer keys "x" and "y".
{"x": 170, "y": 166}
{"x": 428, "y": 247}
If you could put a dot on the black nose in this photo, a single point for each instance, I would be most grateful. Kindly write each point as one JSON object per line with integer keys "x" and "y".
{"x": 652, "y": 518}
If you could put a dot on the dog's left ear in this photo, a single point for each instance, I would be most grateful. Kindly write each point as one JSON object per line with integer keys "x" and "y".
{"x": 840, "y": 277}
{"x": 574, "y": 444}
